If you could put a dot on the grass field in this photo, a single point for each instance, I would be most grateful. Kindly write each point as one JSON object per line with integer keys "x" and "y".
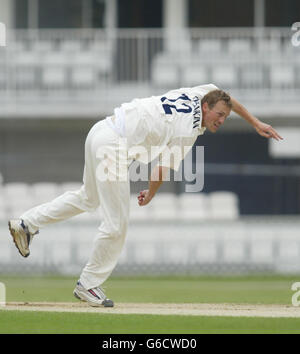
{"x": 238, "y": 290}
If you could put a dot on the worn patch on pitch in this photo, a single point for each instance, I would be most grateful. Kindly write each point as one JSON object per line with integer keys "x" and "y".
{"x": 235, "y": 310}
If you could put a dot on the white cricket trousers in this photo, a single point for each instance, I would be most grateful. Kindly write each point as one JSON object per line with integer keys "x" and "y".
{"x": 112, "y": 195}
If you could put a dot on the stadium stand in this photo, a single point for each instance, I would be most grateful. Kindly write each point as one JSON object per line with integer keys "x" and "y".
{"x": 239, "y": 46}
{"x": 193, "y": 74}
{"x": 16, "y": 198}
{"x": 165, "y": 71}
{"x": 69, "y": 186}
{"x": 63, "y": 64}
{"x": 138, "y": 213}
{"x": 223, "y": 205}
{"x": 193, "y": 206}
{"x": 225, "y": 78}
{"x": 43, "y": 192}
{"x": 282, "y": 76}
{"x": 252, "y": 76}
{"x": 83, "y": 77}
{"x": 2, "y": 200}
{"x": 213, "y": 46}
{"x": 165, "y": 206}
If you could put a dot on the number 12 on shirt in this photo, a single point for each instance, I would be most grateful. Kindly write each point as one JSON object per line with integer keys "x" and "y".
{"x": 179, "y": 106}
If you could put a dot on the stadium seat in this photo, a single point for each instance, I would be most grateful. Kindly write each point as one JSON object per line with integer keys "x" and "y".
{"x": 282, "y": 76}
{"x": 103, "y": 62}
{"x": 83, "y": 77}
{"x": 206, "y": 249}
{"x": 17, "y": 46}
{"x": 239, "y": 46}
{"x": 87, "y": 65}
{"x": 69, "y": 186}
{"x": 3, "y": 57}
{"x": 193, "y": 74}
{"x": 25, "y": 78}
{"x": 210, "y": 46}
{"x": 101, "y": 45}
{"x": 26, "y": 64}
{"x": 223, "y": 205}
{"x": 42, "y": 46}
{"x": 2, "y": 201}
{"x": 18, "y": 198}
{"x": 3, "y": 76}
{"x": 224, "y": 75}
{"x": 56, "y": 59}
{"x": 54, "y": 77}
{"x": 44, "y": 192}
{"x": 101, "y": 50}
{"x": 176, "y": 254}
{"x": 84, "y": 58}
{"x": 137, "y": 212}
{"x": 290, "y": 50}
{"x": 165, "y": 70}
{"x": 262, "y": 244}
{"x": 252, "y": 76}
{"x": 193, "y": 206}
{"x": 165, "y": 206}
{"x": 165, "y": 75}
{"x": 145, "y": 253}
{"x": 268, "y": 46}
{"x": 297, "y": 77}
{"x": 27, "y": 59}
{"x": 3, "y": 213}
{"x": 16, "y": 189}
{"x": 70, "y": 46}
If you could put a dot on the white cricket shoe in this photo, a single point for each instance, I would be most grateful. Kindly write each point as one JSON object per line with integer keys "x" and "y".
{"x": 21, "y": 235}
{"x": 94, "y": 297}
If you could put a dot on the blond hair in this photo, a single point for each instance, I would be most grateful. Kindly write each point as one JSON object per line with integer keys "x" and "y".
{"x": 215, "y": 96}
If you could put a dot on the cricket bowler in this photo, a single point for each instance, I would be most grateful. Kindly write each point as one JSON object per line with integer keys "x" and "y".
{"x": 176, "y": 118}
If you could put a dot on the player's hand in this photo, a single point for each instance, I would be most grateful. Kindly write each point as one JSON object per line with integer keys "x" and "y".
{"x": 144, "y": 197}
{"x": 267, "y": 131}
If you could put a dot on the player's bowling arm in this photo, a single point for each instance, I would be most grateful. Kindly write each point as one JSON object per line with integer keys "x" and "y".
{"x": 262, "y": 129}
{"x": 239, "y": 109}
{"x": 157, "y": 177}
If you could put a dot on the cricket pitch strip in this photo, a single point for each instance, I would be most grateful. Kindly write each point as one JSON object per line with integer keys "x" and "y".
{"x": 234, "y": 310}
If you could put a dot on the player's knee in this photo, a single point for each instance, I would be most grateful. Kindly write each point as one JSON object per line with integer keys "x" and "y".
{"x": 119, "y": 232}
{"x": 91, "y": 202}
{"x": 114, "y": 231}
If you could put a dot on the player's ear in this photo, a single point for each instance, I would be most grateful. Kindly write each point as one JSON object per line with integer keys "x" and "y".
{"x": 205, "y": 107}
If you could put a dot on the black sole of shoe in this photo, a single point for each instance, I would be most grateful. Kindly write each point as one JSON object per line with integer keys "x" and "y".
{"x": 108, "y": 304}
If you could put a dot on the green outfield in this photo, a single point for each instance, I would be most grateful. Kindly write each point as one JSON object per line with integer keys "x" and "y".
{"x": 208, "y": 290}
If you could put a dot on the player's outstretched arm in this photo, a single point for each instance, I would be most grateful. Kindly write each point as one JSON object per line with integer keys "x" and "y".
{"x": 262, "y": 129}
{"x": 157, "y": 177}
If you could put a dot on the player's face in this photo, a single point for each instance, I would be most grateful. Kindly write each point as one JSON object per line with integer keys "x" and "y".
{"x": 215, "y": 117}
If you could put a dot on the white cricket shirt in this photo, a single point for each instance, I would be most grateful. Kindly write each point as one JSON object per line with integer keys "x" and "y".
{"x": 159, "y": 123}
